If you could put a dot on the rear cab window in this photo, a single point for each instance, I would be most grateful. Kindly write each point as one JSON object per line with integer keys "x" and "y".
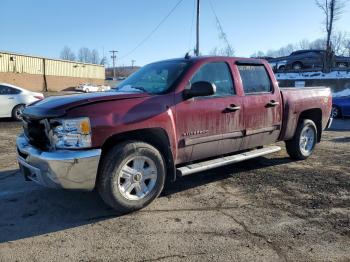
{"x": 217, "y": 73}
{"x": 255, "y": 79}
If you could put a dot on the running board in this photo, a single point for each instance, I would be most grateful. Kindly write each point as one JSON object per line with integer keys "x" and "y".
{"x": 227, "y": 160}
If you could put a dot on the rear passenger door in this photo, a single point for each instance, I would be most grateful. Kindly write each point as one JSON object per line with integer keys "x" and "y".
{"x": 7, "y": 100}
{"x": 262, "y": 106}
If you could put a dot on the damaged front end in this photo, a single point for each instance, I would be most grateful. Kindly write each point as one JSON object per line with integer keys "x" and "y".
{"x": 55, "y": 152}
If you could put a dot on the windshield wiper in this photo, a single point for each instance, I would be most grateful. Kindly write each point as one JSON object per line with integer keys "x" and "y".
{"x": 140, "y": 88}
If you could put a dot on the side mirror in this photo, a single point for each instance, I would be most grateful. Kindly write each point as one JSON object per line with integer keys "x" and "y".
{"x": 201, "y": 88}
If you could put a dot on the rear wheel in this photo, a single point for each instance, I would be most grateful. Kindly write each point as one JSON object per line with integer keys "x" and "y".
{"x": 297, "y": 66}
{"x": 342, "y": 65}
{"x": 132, "y": 175}
{"x": 17, "y": 112}
{"x": 87, "y": 90}
{"x": 303, "y": 143}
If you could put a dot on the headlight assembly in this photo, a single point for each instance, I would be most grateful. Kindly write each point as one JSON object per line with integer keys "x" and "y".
{"x": 71, "y": 133}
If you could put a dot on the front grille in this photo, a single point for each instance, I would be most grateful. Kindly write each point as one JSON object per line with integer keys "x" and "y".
{"x": 35, "y": 132}
{"x": 23, "y": 155}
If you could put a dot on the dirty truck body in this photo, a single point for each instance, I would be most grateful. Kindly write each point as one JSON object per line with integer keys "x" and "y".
{"x": 172, "y": 118}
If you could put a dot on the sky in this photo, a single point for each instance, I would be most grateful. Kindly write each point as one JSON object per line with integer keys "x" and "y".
{"x": 44, "y": 27}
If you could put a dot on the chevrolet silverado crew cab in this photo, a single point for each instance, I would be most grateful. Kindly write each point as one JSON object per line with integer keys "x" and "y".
{"x": 171, "y": 118}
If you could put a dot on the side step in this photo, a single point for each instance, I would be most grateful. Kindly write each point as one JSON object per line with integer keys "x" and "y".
{"x": 227, "y": 160}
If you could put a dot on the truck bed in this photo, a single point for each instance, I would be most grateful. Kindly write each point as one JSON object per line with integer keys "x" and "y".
{"x": 306, "y": 100}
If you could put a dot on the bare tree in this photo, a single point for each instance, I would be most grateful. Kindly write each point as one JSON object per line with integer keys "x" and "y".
{"x": 84, "y": 55}
{"x": 304, "y": 44}
{"x": 346, "y": 46}
{"x": 332, "y": 10}
{"x": 95, "y": 57}
{"x": 225, "y": 51}
{"x": 67, "y": 54}
{"x": 318, "y": 44}
{"x": 104, "y": 61}
{"x": 339, "y": 42}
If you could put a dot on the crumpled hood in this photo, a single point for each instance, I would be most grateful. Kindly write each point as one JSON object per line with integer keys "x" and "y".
{"x": 56, "y": 106}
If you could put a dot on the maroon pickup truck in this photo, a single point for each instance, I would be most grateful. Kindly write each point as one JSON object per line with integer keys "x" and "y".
{"x": 171, "y": 118}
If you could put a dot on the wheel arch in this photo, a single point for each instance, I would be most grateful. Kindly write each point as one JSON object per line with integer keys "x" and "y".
{"x": 314, "y": 114}
{"x": 19, "y": 104}
{"x": 297, "y": 62}
{"x": 156, "y": 137}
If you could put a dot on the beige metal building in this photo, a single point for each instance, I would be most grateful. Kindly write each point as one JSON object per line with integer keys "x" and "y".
{"x": 41, "y": 74}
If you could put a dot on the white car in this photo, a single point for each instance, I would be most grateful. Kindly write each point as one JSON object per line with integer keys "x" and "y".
{"x": 14, "y": 99}
{"x": 92, "y": 88}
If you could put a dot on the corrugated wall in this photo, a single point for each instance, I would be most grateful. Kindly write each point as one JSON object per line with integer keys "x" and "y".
{"x": 16, "y": 63}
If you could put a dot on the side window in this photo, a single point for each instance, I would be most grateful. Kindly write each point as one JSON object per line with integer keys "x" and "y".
{"x": 6, "y": 90}
{"x": 219, "y": 74}
{"x": 255, "y": 79}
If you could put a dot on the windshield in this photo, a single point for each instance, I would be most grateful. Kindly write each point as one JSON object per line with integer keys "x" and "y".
{"x": 154, "y": 78}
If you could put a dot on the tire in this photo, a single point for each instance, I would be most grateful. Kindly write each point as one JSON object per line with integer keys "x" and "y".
{"x": 336, "y": 112}
{"x": 282, "y": 68}
{"x": 17, "y": 112}
{"x": 307, "y": 131}
{"x": 87, "y": 90}
{"x": 342, "y": 65}
{"x": 297, "y": 66}
{"x": 122, "y": 182}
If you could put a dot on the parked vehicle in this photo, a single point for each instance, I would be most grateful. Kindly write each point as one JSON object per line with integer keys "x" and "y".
{"x": 304, "y": 59}
{"x": 171, "y": 118}
{"x": 13, "y": 100}
{"x": 277, "y": 64}
{"x": 341, "y": 106}
{"x": 92, "y": 88}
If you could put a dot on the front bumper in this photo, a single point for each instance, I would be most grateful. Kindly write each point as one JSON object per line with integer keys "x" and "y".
{"x": 69, "y": 169}
{"x": 329, "y": 123}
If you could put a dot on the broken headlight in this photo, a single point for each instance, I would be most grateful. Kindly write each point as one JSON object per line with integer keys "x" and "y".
{"x": 72, "y": 133}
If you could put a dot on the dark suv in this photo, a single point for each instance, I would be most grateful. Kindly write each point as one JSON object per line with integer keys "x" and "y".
{"x": 313, "y": 59}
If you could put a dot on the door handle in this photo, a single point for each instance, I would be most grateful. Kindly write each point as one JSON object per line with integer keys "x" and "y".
{"x": 272, "y": 103}
{"x": 232, "y": 108}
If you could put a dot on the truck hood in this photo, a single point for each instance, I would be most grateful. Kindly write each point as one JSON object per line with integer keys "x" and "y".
{"x": 56, "y": 106}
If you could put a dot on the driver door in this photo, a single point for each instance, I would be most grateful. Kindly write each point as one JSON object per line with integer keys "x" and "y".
{"x": 210, "y": 126}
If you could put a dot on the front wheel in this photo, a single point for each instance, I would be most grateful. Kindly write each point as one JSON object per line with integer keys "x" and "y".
{"x": 131, "y": 176}
{"x": 336, "y": 112}
{"x": 302, "y": 145}
{"x": 17, "y": 112}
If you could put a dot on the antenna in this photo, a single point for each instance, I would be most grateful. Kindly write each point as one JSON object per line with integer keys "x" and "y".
{"x": 197, "y": 29}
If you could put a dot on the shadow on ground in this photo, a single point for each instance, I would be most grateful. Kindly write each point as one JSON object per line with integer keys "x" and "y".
{"x": 29, "y": 210}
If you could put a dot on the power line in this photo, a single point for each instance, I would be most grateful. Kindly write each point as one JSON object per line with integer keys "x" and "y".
{"x": 152, "y": 32}
{"x": 222, "y": 33}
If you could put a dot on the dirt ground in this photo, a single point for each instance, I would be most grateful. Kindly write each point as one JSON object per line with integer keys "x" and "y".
{"x": 267, "y": 209}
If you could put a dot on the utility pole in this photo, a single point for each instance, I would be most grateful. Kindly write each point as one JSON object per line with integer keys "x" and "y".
{"x": 114, "y": 57}
{"x": 132, "y": 63}
{"x": 197, "y": 30}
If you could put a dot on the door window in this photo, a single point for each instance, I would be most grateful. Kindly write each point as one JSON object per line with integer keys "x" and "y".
{"x": 219, "y": 74}
{"x": 255, "y": 79}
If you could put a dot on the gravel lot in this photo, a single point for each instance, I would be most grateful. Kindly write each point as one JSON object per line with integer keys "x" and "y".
{"x": 270, "y": 208}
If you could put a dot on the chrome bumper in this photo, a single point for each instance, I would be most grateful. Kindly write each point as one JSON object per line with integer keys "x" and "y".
{"x": 69, "y": 169}
{"x": 329, "y": 123}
